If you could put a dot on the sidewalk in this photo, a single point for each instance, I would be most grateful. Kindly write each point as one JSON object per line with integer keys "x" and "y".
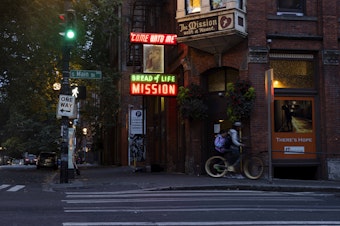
{"x": 125, "y": 178}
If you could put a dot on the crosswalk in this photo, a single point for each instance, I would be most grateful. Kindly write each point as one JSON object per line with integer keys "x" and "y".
{"x": 167, "y": 208}
{"x": 11, "y": 188}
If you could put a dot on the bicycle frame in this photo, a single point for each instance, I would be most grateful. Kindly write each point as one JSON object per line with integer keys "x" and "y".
{"x": 250, "y": 165}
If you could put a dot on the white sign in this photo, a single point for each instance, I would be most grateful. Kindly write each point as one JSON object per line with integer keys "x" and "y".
{"x": 66, "y": 106}
{"x": 294, "y": 150}
{"x": 136, "y": 122}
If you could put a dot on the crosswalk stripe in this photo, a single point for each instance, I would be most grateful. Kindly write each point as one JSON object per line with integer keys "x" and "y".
{"x": 16, "y": 188}
{"x": 4, "y": 186}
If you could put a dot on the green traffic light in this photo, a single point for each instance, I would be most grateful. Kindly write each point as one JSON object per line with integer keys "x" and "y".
{"x": 70, "y": 34}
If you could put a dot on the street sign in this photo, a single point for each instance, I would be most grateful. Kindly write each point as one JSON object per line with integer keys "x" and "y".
{"x": 66, "y": 106}
{"x": 85, "y": 74}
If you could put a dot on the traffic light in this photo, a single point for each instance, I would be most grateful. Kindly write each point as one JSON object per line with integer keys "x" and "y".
{"x": 70, "y": 27}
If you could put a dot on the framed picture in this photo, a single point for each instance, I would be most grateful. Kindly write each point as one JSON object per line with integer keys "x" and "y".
{"x": 153, "y": 58}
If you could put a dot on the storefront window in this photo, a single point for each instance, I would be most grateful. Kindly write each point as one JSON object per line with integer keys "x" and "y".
{"x": 293, "y": 73}
{"x": 193, "y": 6}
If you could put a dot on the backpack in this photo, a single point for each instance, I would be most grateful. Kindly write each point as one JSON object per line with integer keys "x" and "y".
{"x": 219, "y": 142}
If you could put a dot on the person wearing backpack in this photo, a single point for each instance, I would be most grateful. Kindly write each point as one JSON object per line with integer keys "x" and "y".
{"x": 222, "y": 142}
{"x": 235, "y": 141}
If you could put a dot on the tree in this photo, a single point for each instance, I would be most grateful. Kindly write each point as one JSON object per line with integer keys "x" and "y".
{"x": 29, "y": 55}
{"x": 31, "y": 49}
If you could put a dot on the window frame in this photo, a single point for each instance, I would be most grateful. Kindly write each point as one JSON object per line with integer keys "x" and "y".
{"x": 308, "y": 57}
{"x": 291, "y": 11}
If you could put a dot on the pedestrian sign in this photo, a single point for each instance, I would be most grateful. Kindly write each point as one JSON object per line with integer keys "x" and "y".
{"x": 66, "y": 106}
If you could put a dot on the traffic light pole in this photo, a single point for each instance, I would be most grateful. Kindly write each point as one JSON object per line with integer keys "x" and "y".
{"x": 65, "y": 90}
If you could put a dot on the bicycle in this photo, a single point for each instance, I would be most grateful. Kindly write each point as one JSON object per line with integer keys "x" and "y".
{"x": 250, "y": 165}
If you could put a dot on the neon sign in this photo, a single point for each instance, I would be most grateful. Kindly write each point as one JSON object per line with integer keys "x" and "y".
{"x": 149, "y": 38}
{"x": 153, "y": 84}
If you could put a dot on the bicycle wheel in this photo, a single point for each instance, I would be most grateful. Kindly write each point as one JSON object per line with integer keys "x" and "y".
{"x": 216, "y": 166}
{"x": 253, "y": 167}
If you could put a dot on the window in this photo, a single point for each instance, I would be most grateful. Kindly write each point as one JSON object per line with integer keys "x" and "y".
{"x": 290, "y": 7}
{"x": 218, "y": 4}
{"x": 193, "y": 6}
{"x": 293, "y": 70}
{"x": 217, "y": 81}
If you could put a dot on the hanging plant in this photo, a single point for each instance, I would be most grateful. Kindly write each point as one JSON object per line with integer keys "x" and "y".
{"x": 191, "y": 102}
{"x": 240, "y": 100}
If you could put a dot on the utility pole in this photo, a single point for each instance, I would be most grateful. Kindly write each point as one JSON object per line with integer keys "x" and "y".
{"x": 68, "y": 42}
{"x": 65, "y": 90}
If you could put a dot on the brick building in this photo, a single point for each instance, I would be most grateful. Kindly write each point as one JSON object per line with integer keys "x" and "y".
{"x": 291, "y": 44}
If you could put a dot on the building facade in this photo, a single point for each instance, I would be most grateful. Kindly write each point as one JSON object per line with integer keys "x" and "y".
{"x": 292, "y": 45}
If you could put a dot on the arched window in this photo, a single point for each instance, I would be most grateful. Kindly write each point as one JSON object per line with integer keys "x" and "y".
{"x": 218, "y": 79}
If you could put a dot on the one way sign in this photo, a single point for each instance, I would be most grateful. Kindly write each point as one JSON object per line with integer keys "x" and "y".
{"x": 66, "y": 106}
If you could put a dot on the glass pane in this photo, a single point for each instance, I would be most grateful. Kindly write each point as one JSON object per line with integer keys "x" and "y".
{"x": 193, "y": 6}
{"x": 290, "y": 5}
{"x": 217, "y": 4}
{"x": 216, "y": 81}
{"x": 293, "y": 73}
{"x": 293, "y": 116}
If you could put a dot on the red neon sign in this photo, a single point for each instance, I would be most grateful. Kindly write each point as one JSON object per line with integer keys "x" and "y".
{"x": 150, "y": 38}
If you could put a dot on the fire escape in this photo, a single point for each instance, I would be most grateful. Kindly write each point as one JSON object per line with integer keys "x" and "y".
{"x": 144, "y": 19}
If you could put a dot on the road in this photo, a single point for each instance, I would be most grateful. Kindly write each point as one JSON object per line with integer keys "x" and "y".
{"x": 35, "y": 205}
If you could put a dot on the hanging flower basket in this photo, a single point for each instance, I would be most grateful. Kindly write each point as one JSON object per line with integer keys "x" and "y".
{"x": 240, "y": 100}
{"x": 191, "y": 104}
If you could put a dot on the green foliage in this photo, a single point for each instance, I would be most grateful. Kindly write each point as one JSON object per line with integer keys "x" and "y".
{"x": 98, "y": 29}
{"x": 191, "y": 102}
{"x": 240, "y": 100}
{"x": 31, "y": 50}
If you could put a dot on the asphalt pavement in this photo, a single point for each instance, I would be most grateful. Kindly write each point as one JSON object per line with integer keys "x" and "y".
{"x": 128, "y": 178}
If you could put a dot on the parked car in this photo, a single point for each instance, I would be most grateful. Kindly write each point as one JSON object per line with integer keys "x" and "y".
{"x": 30, "y": 159}
{"x": 47, "y": 160}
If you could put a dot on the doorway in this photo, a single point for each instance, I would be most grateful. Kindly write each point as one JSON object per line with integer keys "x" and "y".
{"x": 216, "y": 81}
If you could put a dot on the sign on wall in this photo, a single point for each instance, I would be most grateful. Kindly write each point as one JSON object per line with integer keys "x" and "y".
{"x": 206, "y": 25}
{"x": 153, "y": 84}
{"x": 293, "y": 134}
